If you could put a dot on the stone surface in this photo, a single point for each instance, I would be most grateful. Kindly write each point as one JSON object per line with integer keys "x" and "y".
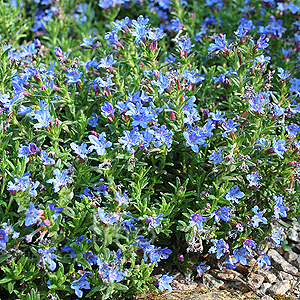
{"x": 265, "y": 286}
{"x": 281, "y": 287}
{"x": 226, "y": 274}
{"x": 297, "y": 262}
{"x": 211, "y": 282}
{"x": 280, "y": 263}
{"x": 290, "y": 256}
{"x": 293, "y": 235}
{"x": 256, "y": 281}
{"x": 269, "y": 276}
{"x": 296, "y": 225}
{"x": 284, "y": 276}
{"x": 267, "y": 298}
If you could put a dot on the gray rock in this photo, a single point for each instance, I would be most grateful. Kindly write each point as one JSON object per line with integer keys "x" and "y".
{"x": 296, "y": 225}
{"x": 269, "y": 276}
{"x": 256, "y": 281}
{"x": 280, "y": 263}
{"x": 280, "y": 287}
{"x": 284, "y": 276}
{"x": 297, "y": 262}
{"x": 293, "y": 235}
{"x": 226, "y": 274}
{"x": 265, "y": 286}
{"x": 211, "y": 282}
{"x": 267, "y": 298}
{"x": 290, "y": 256}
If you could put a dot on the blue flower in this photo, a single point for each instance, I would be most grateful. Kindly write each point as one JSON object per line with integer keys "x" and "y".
{"x": 24, "y": 152}
{"x": 164, "y": 283}
{"x": 279, "y": 208}
{"x": 234, "y": 194}
{"x": 88, "y": 43}
{"x": 106, "y": 63}
{"x": 44, "y": 118}
{"x": 82, "y": 150}
{"x": 264, "y": 261}
{"x": 133, "y": 138}
{"x": 240, "y": 255}
{"x": 292, "y": 129}
{"x": 162, "y": 82}
{"x": 227, "y": 264}
{"x": 79, "y": 284}
{"x": 31, "y": 215}
{"x": 220, "y": 247}
{"x": 277, "y": 236}
{"x": 46, "y": 159}
{"x": 47, "y": 257}
{"x": 216, "y": 157}
{"x": 202, "y": 268}
{"x": 67, "y": 249}
{"x": 258, "y": 217}
{"x": 99, "y": 144}
{"x": 122, "y": 199}
{"x": 185, "y": 46}
{"x": 283, "y": 75}
{"x": 61, "y": 179}
{"x": 93, "y": 122}
{"x": 278, "y": 147}
{"x": 219, "y": 44}
{"x": 262, "y": 42}
{"x": 229, "y": 127}
{"x": 223, "y": 213}
{"x": 155, "y": 221}
{"x": 253, "y": 179}
{"x": 3, "y": 239}
{"x": 248, "y": 245}
{"x": 104, "y": 218}
{"x": 107, "y": 109}
{"x": 197, "y": 220}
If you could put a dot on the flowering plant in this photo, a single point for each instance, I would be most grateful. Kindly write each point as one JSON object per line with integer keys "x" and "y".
{"x": 193, "y": 113}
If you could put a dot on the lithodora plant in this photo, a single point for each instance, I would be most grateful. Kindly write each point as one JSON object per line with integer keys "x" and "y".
{"x": 131, "y": 138}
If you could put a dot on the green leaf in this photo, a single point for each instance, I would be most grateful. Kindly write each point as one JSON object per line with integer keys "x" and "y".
{"x": 121, "y": 287}
{"x": 4, "y": 257}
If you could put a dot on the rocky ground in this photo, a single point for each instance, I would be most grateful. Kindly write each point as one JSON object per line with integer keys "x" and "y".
{"x": 280, "y": 282}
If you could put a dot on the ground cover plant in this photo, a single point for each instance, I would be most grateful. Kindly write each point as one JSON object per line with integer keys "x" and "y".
{"x": 135, "y": 134}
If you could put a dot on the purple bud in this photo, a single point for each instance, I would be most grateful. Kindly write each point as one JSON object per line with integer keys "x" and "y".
{"x": 180, "y": 257}
{"x": 148, "y": 220}
{"x": 58, "y": 52}
{"x": 155, "y": 73}
{"x": 33, "y": 148}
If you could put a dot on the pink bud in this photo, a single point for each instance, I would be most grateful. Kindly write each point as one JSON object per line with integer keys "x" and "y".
{"x": 172, "y": 115}
{"x": 47, "y": 222}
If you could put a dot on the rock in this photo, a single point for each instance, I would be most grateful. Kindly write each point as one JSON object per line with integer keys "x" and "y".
{"x": 209, "y": 296}
{"x": 290, "y": 256}
{"x": 265, "y": 286}
{"x": 266, "y": 298}
{"x": 211, "y": 282}
{"x": 280, "y": 250}
{"x": 226, "y": 274}
{"x": 293, "y": 235}
{"x": 245, "y": 269}
{"x": 284, "y": 276}
{"x": 256, "y": 281}
{"x": 297, "y": 262}
{"x": 280, "y": 287}
{"x": 296, "y": 225}
{"x": 280, "y": 263}
{"x": 296, "y": 248}
{"x": 269, "y": 276}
